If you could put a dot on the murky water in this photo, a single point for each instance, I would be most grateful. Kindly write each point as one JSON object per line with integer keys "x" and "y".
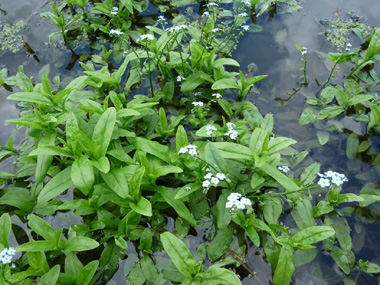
{"x": 273, "y": 50}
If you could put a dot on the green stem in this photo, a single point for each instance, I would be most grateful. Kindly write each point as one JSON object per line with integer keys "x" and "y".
{"x": 332, "y": 70}
{"x": 284, "y": 193}
{"x": 149, "y": 72}
{"x": 180, "y": 54}
{"x": 357, "y": 67}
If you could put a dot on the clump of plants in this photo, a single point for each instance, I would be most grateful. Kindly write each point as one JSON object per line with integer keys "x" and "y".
{"x": 146, "y": 151}
{"x": 10, "y": 38}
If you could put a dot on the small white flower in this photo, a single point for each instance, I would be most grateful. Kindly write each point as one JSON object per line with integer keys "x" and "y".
{"x": 230, "y": 125}
{"x": 284, "y": 168}
{"x": 208, "y": 169}
{"x": 6, "y": 259}
{"x": 240, "y": 205}
{"x": 116, "y": 32}
{"x": 209, "y": 133}
{"x": 246, "y": 201}
{"x": 192, "y": 152}
{"x": 337, "y": 180}
{"x": 323, "y": 182}
{"x": 245, "y": 27}
{"x": 234, "y": 196}
{"x": 216, "y": 30}
{"x": 161, "y": 18}
{"x": 244, "y": 14}
{"x": 220, "y": 176}
{"x": 188, "y": 188}
{"x": 11, "y": 251}
{"x": 230, "y": 204}
{"x": 206, "y": 184}
{"x": 183, "y": 150}
{"x": 180, "y": 78}
{"x": 114, "y": 10}
{"x": 321, "y": 175}
{"x": 13, "y": 265}
{"x": 3, "y": 252}
{"x": 246, "y": 2}
{"x": 191, "y": 146}
{"x": 205, "y": 14}
{"x": 329, "y": 173}
{"x": 215, "y": 180}
{"x": 304, "y": 52}
{"x": 212, "y": 4}
{"x": 200, "y": 104}
{"x": 208, "y": 176}
{"x": 217, "y": 95}
{"x": 349, "y": 44}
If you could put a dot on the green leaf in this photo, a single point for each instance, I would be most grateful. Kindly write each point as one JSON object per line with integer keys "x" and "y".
{"x": 341, "y": 259}
{"x": 102, "y": 164}
{"x": 148, "y": 269}
{"x": 233, "y": 150}
{"x": 31, "y": 97}
{"x": 135, "y": 183}
{"x": 322, "y": 208}
{"x": 5, "y": 226}
{"x": 193, "y": 81}
{"x": 285, "y": 268}
{"x": 73, "y": 266}
{"x": 86, "y": 274}
{"x": 143, "y": 207}
{"x": 146, "y": 241}
{"x": 117, "y": 181}
{"x": 36, "y": 246}
{"x": 82, "y": 174}
{"x": 374, "y": 45}
{"x": 323, "y": 137}
{"x": 285, "y": 181}
{"x": 215, "y": 159}
{"x": 79, "y": 243}
{"x": 50, "y": 277}
{"x": 225, "y": 83}
{"x": 277, "y": 144}
{"x": 359, "y": 99}
{"x": 181, "y": 138}
{"x": 152, "y": 147}
{"x": 313, "y": 234}
{"x": 253, "y": 235}
{"x": 179, "y": 254}
{"x": 309, "y": 174}
{"x": 56, "y": 186}
{"x": 44, "y": 161}
{"x": 165, "y": 170}
{"x": 225, "y": 61}
{"x": 327, "y": 94}
{"x": 342, "y": 230}
{"x": 220, "y": 276}
{"x": 103, "y": 131}
{"x": 272, "y": 210}
{"x": 178, "y": 205}
{"x": 42, "y": 228}
{"x": 136, "y": 276}
{"x": 221, "y": 241}
{"x": 330, "y": 112}
{"x": 19, "y": 198}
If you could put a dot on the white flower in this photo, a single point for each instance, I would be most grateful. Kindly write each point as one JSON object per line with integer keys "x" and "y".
{"x": 323, "y": 182}
{"x": 114, "y": 10}
{"x": 200, "y": 104}
{"x": 183, "y": 150}
{"x": 148, "y": 37}
{"x": 230, "y": 125}
{"x": 217, "y": 95}
{"x": 3, "y": 252}
{"x": 246, "y": 2}
{"x": 176, "y": 28}
{"x": 284, "y": 168}
{"x": 216, "y": 30}
{"x": 188, "y": 188}
{"x": 206, "y": 184}
{"x": 246, "y": 201}
{"x": 212, "y": 4}
{"x": 244, "y": 14}
{"x": 180, "y": 78}
{"x": 191, "y": 146}
{"x": 11, "y": 251}
{"x": 230, "y": 204}
{"x": 214, "y": 180}
{"x": 347, "y": 49}
{"x": 329, "y": 173}
{"x": 245, "y": 27}
{"x": 6, "y": 259}
{"x": 240, "y": 205}
{"x": 208, "y": 176}
{"x": 220, "y": 176}
{"x": 234, "y": 196}
{"x": 321, "y": 175}
{"x": 116, "y": 32}
{"x": 349, "y": 44}
{"x": 337, "y": 180}
{"x": 13, "y": 265}
{"x": 205, "y": 14}
{"x": 161, "y": 18}
{"x": 304, "y": 52}
{"x": 192, "y": 152}
{"x": 208, "y": 169}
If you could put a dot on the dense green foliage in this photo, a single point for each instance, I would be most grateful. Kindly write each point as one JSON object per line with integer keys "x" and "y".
{"x": 156, "y": 139}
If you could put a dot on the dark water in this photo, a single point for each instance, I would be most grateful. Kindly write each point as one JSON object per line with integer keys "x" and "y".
{"x": 273, "y": 50}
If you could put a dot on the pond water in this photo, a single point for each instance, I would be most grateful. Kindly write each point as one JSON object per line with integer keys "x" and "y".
{"x": 273, "y": 51}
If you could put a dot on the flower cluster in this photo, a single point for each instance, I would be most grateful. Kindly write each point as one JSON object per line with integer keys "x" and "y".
{"x": 304, "y": 50}
{"x": 244, "y": 14}
{"x": 190, "y": 149}
{"x": 211, "y": 179}
{"x": 284, "y": 168}
{"x": 148, "y": 37}
{"x": 348, "y": 46}
{"x": 209, "y": 129}
{"x": 233, "y": 201}
{"x": 231, "y": 132}
{"x": 331, "y": 177}
{"x": 6, "y": 255}
{"x": 212, "y": 4}
{"x": 217, "y": 95}
{"x": 114, "y": 10}
{"x": 200, "y": 104}
{"x": 116, "y": 32}
{"x": 180, "y": 78}
{"x": 176, "y": 28}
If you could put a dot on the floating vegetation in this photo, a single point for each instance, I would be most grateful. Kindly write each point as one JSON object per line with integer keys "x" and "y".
{"x": 340, "y": 28}
{"x": 10, "y": 38}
